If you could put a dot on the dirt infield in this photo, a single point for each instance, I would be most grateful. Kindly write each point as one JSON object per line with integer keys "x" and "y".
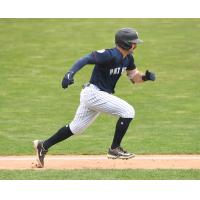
{"x": 101, "y": 162}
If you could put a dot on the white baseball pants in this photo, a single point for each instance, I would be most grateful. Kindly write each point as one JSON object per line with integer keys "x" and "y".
{"x": 93, "y": 102}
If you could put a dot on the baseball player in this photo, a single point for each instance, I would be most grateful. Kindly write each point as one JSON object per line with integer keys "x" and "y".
{"x": 97, "y": 95}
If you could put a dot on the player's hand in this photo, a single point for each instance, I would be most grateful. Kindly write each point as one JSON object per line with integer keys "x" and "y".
{"x": 149, "y": 76}
{"x": 67, "y": 80}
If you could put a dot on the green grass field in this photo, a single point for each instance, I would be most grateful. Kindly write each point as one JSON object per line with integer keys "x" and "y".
{"x": 36, "y": 53}
{"x": 100, "y": 175}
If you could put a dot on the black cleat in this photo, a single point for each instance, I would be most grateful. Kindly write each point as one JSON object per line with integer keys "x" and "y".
{"x": 40, "y": 151}
{"x": 119, "y": 153}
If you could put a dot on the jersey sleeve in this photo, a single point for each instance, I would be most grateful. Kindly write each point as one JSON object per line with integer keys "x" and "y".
{"x": 131, "y": 65}
{"x": 101, "y": 56}
{"x": 96, "y": 57}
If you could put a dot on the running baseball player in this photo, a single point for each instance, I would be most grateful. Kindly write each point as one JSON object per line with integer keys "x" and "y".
{"x": 97, "y": 95}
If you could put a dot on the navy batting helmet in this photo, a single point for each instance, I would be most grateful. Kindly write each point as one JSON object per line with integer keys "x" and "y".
{"x": 125, "y": 37}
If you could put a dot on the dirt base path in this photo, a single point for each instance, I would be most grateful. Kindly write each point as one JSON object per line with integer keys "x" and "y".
{"x": 101, "y": 162}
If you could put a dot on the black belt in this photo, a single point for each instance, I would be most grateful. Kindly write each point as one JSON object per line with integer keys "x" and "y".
{"x": 86, "y": 85}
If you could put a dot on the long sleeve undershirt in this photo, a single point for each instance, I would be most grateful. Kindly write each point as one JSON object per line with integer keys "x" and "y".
{"x": 88, "y": 59}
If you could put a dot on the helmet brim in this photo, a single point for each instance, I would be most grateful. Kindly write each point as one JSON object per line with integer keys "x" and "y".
{"x": 137, "y": 41}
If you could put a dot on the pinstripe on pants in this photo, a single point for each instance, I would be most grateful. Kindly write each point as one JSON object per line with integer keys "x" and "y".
{"x": 93, "y": 102}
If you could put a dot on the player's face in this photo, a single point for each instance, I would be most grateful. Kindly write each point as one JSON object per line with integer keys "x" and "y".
{"x": 134, "y": 45}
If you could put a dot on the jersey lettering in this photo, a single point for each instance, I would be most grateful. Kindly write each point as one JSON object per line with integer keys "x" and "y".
{"x": 115, "y": 71}
{"x": 109, "y": 65}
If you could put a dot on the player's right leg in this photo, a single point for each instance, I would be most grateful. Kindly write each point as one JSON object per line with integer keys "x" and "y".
{"x": 83, "y": 118}
{"x": 42, "y": 147}
{"x": 40, "y": 152}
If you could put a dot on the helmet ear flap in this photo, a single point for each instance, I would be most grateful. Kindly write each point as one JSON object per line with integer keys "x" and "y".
{"x": 124, "y": 45}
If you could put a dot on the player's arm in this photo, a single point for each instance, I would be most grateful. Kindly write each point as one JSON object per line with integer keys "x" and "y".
{"x": 96, "y": 57}
{"x": 69, "y": 76}
{"x": 136, "y": 76}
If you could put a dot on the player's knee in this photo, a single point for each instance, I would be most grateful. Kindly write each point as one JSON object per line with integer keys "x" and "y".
{"x": 76, "y": 129}
{"x": 129, "y": 112}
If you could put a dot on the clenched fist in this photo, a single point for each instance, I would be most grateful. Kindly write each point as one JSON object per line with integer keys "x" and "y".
{"x": 67, "y": 80}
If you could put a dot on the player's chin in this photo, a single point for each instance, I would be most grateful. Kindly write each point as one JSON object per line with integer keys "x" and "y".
{"x": 130, "y": 51}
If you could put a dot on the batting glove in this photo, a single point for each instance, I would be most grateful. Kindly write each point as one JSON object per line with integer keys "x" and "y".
{"x": 149, "y": 76}
{"x": 67, "y": 80}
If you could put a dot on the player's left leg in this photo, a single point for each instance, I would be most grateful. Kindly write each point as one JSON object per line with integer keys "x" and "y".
{"x": 120, "y": 130}
{"x": 107, "y": 103}
{"x": 116, "y": 151}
